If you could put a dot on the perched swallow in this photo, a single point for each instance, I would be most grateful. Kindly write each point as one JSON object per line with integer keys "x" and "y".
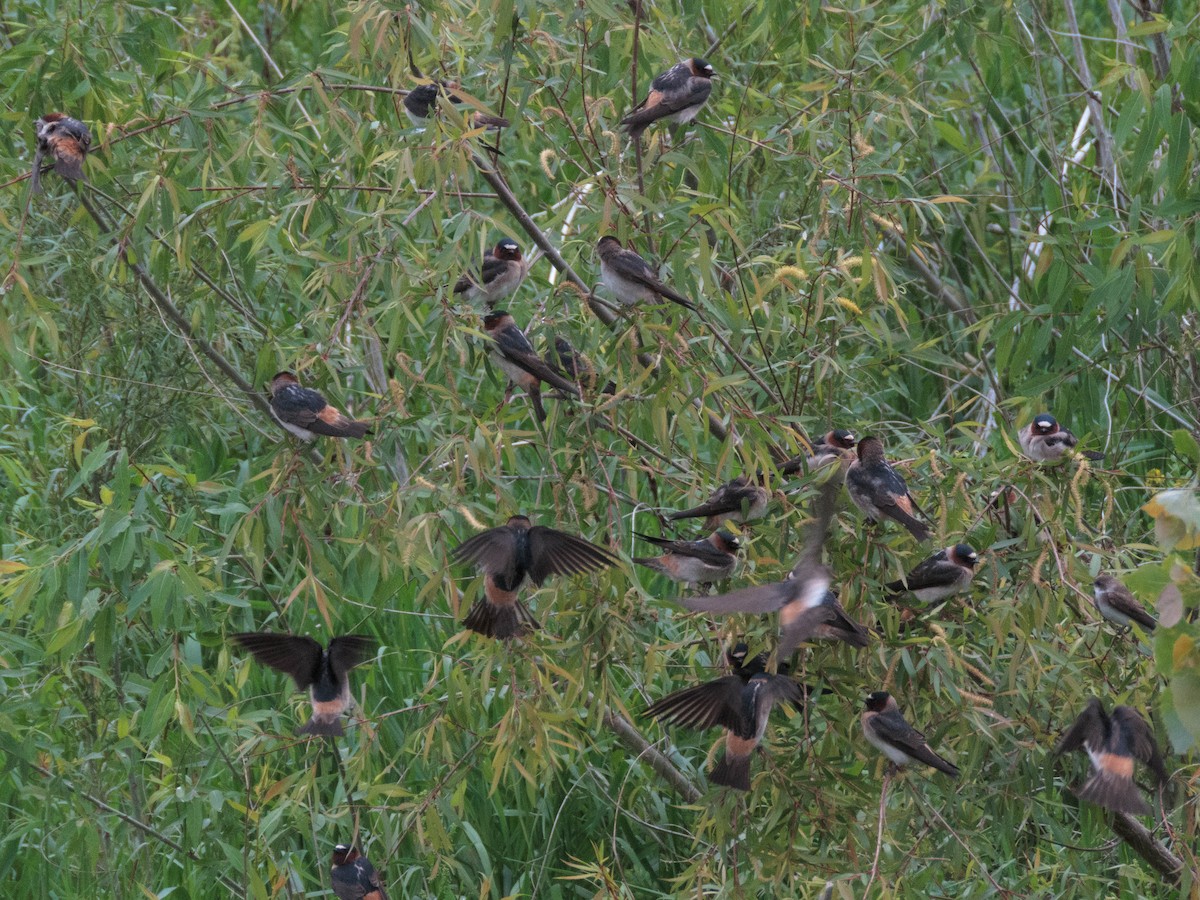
{"x": 738, "y": 704}
{"x": 66, "y": 140}
{"x": 1117, "y": 604}
{"x": 512, "y": 553}
{"x": 1112, "y": 743}
{"x": 501, "y": 274}
{"x": 886, "y": 728}
{"x": 304, "y": 412}
{"x": 632, "y": 279}
{"x": 942, "y": 575}
{"x": 422, "y": 101}
{"x": 1044, "y": 440}
{"x": 807, "y": 608}
{"x": 694, "y": 562}
{"x": 676, "y": 94}
{"x": 353, "y": 876}
{"x": 740, "y": 500}
{"x": 578, "y": 367}
{"x": 879, "y": 491}
{"x": 323, "y": 671}
{"x": 741, "y": 663}
{"x": 834, "y": 445}
{"x": 515, "y": 356}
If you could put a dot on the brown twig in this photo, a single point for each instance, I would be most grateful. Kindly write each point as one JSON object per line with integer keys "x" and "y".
{"x": 634, "y": 741}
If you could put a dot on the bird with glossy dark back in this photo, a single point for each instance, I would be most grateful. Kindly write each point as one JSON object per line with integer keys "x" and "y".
{"x": 944, "y": 574}
{"x": 1117, "y": 604}
{"x": 353, "y": 877}
{"x": 694, "y": 562}
{"x": 836, "y": 445}
{"x": 886, "y": 729}
{"x": 65, "y": 141}
{"x": 677, "y": 94}
{"x": 306, "y": 414}
{"x": 500, "y": 274}
{"x": 631, "y": 279}
{"x": 515, "y": 357}
{"x": 1045, "y": 441}
{"x": 578, "y": 367}
{"x": 1112, "y": 743}
{"x": 421, "y": 104}
{"x": 740, "y": 500}
{"x": 879, "y": 491}
{"x": 516, "y": 552}
{"x": 323, "y": 671}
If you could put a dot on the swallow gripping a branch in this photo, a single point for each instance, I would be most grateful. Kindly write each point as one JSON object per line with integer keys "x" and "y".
{"x": 323, "y": 671}
{"x": 515, "y": 356}
{"x": 739, "y": 500}
{"x": 1044, "y": 440}
{"x": 513, "y": 553}
{"x": 305, "y": 413}
{"x": 66, "y": 141}
{"x": 879, "y": 491}
{"x": 1117, "y": 604}
{"x": 353, "y": 877}
{"x": 946, "y": 573}
{"x": 1112, "y": 743}
{"x": 885, "y": 728}
{"x": 677, "y": 94}
{"x": 500, "y": 275}
{"x": 631, "y": 279}
{"x": 694, "y": 562}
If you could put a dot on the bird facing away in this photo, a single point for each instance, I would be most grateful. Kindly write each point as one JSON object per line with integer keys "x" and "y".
{"x": 420, "y": 104}
{"x": 837, "y": 444}
{"x": 305, "y": 413}
{"x": 511, "y": 554}
{"x": 66, "y": 141}
{"x": 740, "y": 500}
{"x": 879, "y": 491}
{"x": 578, "y": 367}
{"x": 807, "y": 608}
{"x": 738, "y": 704}
{"x": 1044, "y": 440}
{"x": 947, "y": 572}
{"x": 501, "y": 273}
{"x": 694, "y": 562}
{"x": 677, "y": 94}
{"x": 886, "y": 729}
{"x": 353, "y": 876}
{"x": 631, "y": 279}
{"x": 323, "y": 671}
{"x": 1112, "y": 743}
{"x": 1117, "y": 604}
{"x": 514, "y": 355}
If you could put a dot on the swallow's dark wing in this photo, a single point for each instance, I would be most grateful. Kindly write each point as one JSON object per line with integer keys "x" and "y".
{"x": 818, "y": 528}
{"x": 1090, "y": 727}
{"x": 1122, "y": 600}
{"x": 494, "y": 551}
{"x": 493, "y": 267}
{"x": 727, "y": 498}
{"x": 761, "y": 598}
{"x": 1141, "y": 740}
{"x": 297, "y": 656}
{"x": 936, "y": 571}
{"x": 348, "y": 651}
{"x": 704, "y": 705}
{"x": 670, "y": 92}
{"x": 892, "y": 728}
{"x": 298, "y": 405}
{"x": 631, "y": 267}
{"x": 554, "y": 552}
{"x": 516, "y": 348}
{"x": 701, "y": 550}
{"x": 358, "y": 881}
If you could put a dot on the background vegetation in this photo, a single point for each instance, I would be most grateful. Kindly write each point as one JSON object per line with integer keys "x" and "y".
{"x": 923, "y": 220}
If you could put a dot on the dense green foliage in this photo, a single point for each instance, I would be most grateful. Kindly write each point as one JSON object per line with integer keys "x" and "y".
{"x": 891, "y": 213}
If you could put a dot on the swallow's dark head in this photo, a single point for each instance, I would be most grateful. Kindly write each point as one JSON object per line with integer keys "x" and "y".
{"x": 507, "y": 249}
{"x": 737, "y": 654}
{"x": 607, "y": 244}
{"x": 701, "y": 67}
{"x": 343, "y": 854}
{"x": 870, "y": 449}
{"x": 563, "y": 346}
{"x": 1044, "y": 424}
{"x": 878, "y": 701}
{"x": 496, "y": 319}
{"x": 282, "y": 378}
{"x": 728, "y": 539}
{"x": 423, "y": 96}
{"x": 521, "y": 522}
{"x": 965, "y": 555}
{"x": 48, "y": 123}
{"x": 840, "y": 437}
{"x": 1105, "y": 582}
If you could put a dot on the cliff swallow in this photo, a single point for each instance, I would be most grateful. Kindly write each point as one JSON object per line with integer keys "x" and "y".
{"x": 66, "y": 140}
{"x": 1117, "y": 604}
{"x": 834, "y": 445}
{"x": 515, "y": 357}
{"x": 694, "y": 562}
{"x": 741, "y": 663}
{"x": 677, "y": 94}
{"x": 1112, "y": 743}
{"x": 501, "y": 274}
{"x": 879, "y": 491}
{"x": 942, "y": 575}
{"x": 353, "y": 876}
{"x": 1044, "y": 440}
{"x": 740, "y": 500}
{"x": 887, "y": 729}
{"x": 304, "y": 412}
{"x": 323, "y": 671}
{"x": 807, "y": 608}
{"x": 632, "y": 279}
{"x": 422, "y": 102}
{"x": 739, "y": 705}
{"x": 512, "y": 553}
{"x": 578, "y": 367}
